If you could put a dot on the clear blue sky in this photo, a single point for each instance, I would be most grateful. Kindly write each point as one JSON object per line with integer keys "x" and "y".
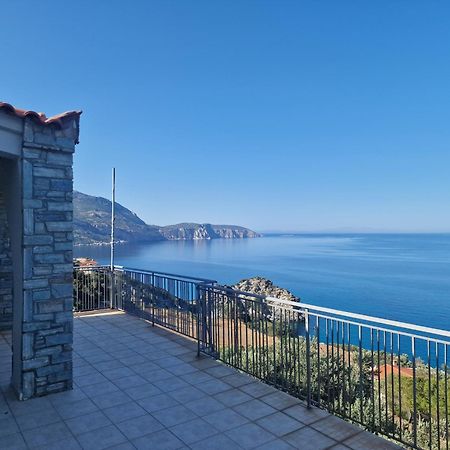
{"x": 277, "y": 115}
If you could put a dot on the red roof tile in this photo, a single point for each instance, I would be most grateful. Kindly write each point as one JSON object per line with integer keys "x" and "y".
{"x": 38, "y": 116}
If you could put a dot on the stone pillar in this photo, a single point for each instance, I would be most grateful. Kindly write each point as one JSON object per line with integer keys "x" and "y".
{"x": 43, "y": 318}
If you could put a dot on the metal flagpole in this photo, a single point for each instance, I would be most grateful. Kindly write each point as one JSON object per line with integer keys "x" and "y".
{"x": 113, "y": 201}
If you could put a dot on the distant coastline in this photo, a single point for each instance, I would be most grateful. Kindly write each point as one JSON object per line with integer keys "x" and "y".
{"x": 92, "y": 226}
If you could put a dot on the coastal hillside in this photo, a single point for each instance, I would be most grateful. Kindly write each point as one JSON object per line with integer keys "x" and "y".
{"x": 92, "y": 225}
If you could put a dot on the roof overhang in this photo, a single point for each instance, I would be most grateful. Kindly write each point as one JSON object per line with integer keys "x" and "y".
{"x": 12, "y": 121}
{"x": 11, "y": 131}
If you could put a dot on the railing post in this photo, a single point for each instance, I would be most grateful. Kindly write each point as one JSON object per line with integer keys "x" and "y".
{"x": 413, "y": 348}
{"x": 236, "y": 326}
{"x": 112, "y": 293}
{"x": 199, "y": 318}
{"x": 308, "y": 360}
{"x": 141, "y": 295}
{"x": 153, "y": 298}
{"x": 75, "y": 303}
{"x": 209, "y": 308}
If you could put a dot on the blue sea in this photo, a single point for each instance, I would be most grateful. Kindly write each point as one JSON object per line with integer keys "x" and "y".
{"x": 404, "y": 277}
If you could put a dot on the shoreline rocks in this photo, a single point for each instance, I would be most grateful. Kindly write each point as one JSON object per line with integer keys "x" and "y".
{"x": 264, "y": 286}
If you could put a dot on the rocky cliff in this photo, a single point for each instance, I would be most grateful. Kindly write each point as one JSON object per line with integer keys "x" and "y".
{"x": 92, "y": 225}
{"x": 195, "y": 231}
{"x": 263, "y": 286}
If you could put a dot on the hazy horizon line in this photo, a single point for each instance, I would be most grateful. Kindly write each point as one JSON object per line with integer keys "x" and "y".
{"x": 297, "y": 232}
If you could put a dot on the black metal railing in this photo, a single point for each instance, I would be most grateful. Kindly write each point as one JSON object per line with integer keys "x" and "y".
{"x": 392, "y": 378}
{"x": 92, "y": 288}
{"x": 168, "y": 300}
{"x": 165, "y": 299}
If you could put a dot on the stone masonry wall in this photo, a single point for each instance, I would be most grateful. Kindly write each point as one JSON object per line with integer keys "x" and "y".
{"x": 6, "y": 281}
{"x": 47, "y": 323}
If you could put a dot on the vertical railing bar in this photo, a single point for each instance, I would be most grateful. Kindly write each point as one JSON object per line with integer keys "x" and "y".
{"x": 327, "y": 336}
{"x": 235, "y": 333}
{"x": 283, "y": 349}
{"x": 430, "y": 434}
{"x": 286, "y": 348}
{"x": 152, "y": 297}
{"x": 199, "y": 309}
{"x": 223, "y": 326}
{"x": 333, "y": 363}
{"x": 76, "y": 301}
{"x": 379, "y": 378}
{"x": 413, "y": 348}
{"x": 392, "y": 380}
{"x": 294, "y": 384}
{"x": 399, "y": 386}
{"x": 274, "y": 348}
{"x": 386, "y": 396}
{"x": 372, "y": 369}
{"x": 229, "y": 332}
{"x": 447, "y": 412}
{"x": 290, "y": 365}
{"x": 344, "y": 390}
{"x": 265, "y": 343}
{"x": 91, "y": 293}
{"x": 288, "y": 351}
{"x": 338, "y": 363}
{"x": 245, "y": 300}
{"x": 350, "y": 391}
{"x": 213, "y": 337}
{"x": 360, "y": 374}
{"x": 83, "y": 291}
{"x": 88, "y": 293}
{"x": 437, "y": 397}
{"x": 268, "y": 343}
{"x": 319, "y": 375}
{"x": 308, "y": 360}
{"x": 111, "y": 294}
{"x": 258, "y": 306}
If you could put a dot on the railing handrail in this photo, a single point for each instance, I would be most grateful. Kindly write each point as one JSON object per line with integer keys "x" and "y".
{"x": 301, "y": 306}
{"x": 150, "y": 272}
{"x": 340, "y": 313}
{"x": 165, "y": 274}
{"x": 89, "y": 267}
{"x": 289, "y": 304}
{"x": 365, "y": 318}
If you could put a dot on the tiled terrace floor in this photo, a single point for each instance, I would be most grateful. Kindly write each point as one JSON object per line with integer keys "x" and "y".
{"x": 142, "y": 387}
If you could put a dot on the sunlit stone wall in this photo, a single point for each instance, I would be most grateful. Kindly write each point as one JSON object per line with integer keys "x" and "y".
{"x": 47, "y": 321}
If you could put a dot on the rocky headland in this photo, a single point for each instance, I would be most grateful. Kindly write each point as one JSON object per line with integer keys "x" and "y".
{"x": 263, "y": 286}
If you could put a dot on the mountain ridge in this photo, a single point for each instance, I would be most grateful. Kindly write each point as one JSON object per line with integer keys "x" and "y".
{"x": 92, "y": 225}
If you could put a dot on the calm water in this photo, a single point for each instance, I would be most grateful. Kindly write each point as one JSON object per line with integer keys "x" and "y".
{"x": 401, "y": 277}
